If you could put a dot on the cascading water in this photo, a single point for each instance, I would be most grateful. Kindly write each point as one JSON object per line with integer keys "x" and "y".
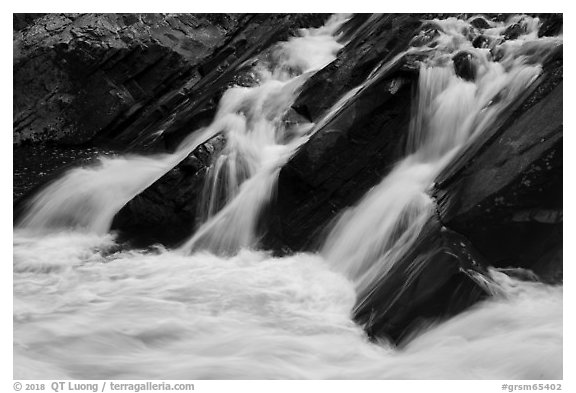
{"x": 87, "y": 199}
{"x": 244, "y": 175}
{"x": 82, "y": 309}
{"x": 450, "y": 111}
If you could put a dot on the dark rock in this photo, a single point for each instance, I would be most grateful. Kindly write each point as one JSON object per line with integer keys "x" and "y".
{"x": 481, "y": 42}
{"x": 74, "y": 75}
{"x": 514, "y": 31}
{"x": 480, "y": 23}
{"x": 435, "y": 279}
{"x": 125, "y": 76}
{"x": 504, "y": 193}
{"x": 341, "y": 161}
{"x": 552, "y": 25}
{"x": 21, "y": 21}
{"x": 464, "y": 65}
{"x": 377, "y": 40}
{"x": 359, "y": 145}
{"x": 166, "y": 211}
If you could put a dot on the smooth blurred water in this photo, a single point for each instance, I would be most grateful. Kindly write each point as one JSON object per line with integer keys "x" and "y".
{"x": 449, "y": 112}
{"x": 217, "y": 308}
{"x": 80, "y": 312}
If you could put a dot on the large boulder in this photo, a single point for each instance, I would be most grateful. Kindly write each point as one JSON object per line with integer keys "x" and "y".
{"x": 464, "y": 65}
{"x": 364, "y": 136}
{"x": 440, "y": 275}
{"x": 341, "y": 161}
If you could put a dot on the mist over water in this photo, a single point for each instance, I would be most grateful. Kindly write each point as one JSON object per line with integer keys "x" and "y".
{"x": 217, "y": 308}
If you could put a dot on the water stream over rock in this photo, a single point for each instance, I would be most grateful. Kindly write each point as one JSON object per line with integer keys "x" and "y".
{"x": 219, "y": 307}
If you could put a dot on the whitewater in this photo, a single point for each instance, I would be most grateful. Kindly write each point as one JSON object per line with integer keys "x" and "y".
{"x": 218, "y": 307}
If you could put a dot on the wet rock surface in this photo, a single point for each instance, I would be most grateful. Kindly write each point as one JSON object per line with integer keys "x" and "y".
{"x": 436, "y": 279}
{"x": 120, "y": 75}
{"x": 464, "y": 66}
{"x": 166, "y": 212}
{"x": 358, "y": 145}
{"x": 374, "y": 39}
{"x": 507, "y": 198}
{"x": 95, "y": 67}
{"x": 341, "y": 161}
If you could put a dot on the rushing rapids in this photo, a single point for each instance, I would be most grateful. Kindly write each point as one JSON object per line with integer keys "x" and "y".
{"x": 217, "y": 307}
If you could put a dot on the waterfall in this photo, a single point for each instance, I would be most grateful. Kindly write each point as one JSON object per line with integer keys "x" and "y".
{"x": 450, "y": 111}
{"x": 87, "y": 198}
{"x": 243, "y": 178}
{"x": 219, "y": 308}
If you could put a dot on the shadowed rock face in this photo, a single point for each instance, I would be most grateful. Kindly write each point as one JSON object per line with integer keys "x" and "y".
{"x": 121, "y": 75}
{"x": 21, "y": 21}
{"x": 506, "y": 196}
{"x": 341, "y": 161}
{"x": 361, "y": 142}
{"x": 434, "y": 280}
{"x": 74, "y": 74}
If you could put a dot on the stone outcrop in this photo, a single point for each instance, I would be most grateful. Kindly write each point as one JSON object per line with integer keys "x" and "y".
{"x": 364, "y": 137}
{"x": 121, "y": 76}
{"x": 438, "y": 277}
